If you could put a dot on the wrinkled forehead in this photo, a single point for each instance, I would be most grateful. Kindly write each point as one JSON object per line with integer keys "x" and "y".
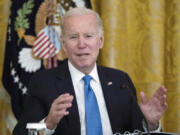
{"x": 87, "y": 21}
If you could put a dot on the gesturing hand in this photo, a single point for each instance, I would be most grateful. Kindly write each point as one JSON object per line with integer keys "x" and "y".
{"x": 58, "y": 110}
{"x": 154, "y": 108}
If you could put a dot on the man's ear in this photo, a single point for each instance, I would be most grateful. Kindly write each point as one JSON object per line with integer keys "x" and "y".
{"x": 101, "y": 40}
{"x": 63, "y": 44}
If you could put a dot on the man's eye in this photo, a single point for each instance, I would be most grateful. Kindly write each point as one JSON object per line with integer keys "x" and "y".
{"x": 73, "y": 37}
{"x": 88, "y": 36}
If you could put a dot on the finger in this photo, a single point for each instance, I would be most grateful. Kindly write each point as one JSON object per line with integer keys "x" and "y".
{"x": 64, "y": 95}
{"x": 67, "y": 99}
{"x": 162, "y": 90}
{"x": 165, "y": 106}
{"x": 160, "y": 93}
{"x": 58, "y": 113}
{"x": 63, "y": 106}
{"x": 164, "y": 101}
{"x": 163, "y": 95}
{"x": 64, "y": 98}
{"x": 143, "y": 98}
{"x": 161, "y": 105}
{"x": 62, "y": 103}
{"x": 62, "y": 113}
{"x": 158, "y": 100}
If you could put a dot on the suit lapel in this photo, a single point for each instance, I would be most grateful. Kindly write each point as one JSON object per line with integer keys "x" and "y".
{"x": 109, "y": 90}
{"x": 64, "y": 85}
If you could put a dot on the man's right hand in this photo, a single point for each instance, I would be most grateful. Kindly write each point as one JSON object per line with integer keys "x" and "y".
{"x": 58, "y": 110}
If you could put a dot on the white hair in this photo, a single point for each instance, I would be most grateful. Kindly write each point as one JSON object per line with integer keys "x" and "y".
{"x": 78, "y": 11}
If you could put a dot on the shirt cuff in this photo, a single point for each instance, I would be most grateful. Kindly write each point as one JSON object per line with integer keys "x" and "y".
{"x": 47, "y": 131}
{"x": 158, "y": 129}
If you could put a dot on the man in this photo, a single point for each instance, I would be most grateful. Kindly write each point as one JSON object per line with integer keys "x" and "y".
{"x": 56, "y": 96}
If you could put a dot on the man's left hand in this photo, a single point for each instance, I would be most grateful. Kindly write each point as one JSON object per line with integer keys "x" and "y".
{"x": 154, "y": 108}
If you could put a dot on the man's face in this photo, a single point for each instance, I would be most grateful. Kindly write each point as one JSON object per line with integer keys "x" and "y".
{"x": 81, "y": 41}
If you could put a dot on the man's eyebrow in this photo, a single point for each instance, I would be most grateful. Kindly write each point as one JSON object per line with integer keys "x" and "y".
{"x": 91, "y": 33}
{"x": 70, "y": 34}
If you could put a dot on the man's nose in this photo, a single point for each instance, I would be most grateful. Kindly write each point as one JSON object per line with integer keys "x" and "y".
{"x": 81, "y": 42}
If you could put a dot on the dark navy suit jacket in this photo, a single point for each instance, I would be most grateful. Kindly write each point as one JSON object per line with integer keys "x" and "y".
{"x": 46, "y": 86}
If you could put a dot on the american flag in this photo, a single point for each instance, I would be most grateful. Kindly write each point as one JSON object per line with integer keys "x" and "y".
{"x": 16, "y": 77}
{"x": 46, "y": 44}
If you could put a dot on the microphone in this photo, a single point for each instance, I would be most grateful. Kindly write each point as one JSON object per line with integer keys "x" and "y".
{"x": 124, "y": 86}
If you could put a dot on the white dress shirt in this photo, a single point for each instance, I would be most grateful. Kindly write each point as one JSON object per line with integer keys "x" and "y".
{"x": 78, "y": 83}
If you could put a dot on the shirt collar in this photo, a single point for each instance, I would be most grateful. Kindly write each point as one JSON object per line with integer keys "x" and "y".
{"x": 77, "y": 75}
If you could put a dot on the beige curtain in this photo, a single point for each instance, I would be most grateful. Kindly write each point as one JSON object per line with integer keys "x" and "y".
{"x": 7, "y": 120}
{"x": 142, "y": 37}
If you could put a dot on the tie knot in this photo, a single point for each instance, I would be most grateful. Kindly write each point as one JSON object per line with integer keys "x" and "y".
{"x": 87, "y": 79}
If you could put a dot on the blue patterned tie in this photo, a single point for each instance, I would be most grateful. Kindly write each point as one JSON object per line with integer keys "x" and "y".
{"x": 93, "y": 119}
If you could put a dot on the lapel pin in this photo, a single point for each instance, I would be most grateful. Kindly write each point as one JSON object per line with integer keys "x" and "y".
{"x": 109, "y": 83}
{"x": 123, "y": 86}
